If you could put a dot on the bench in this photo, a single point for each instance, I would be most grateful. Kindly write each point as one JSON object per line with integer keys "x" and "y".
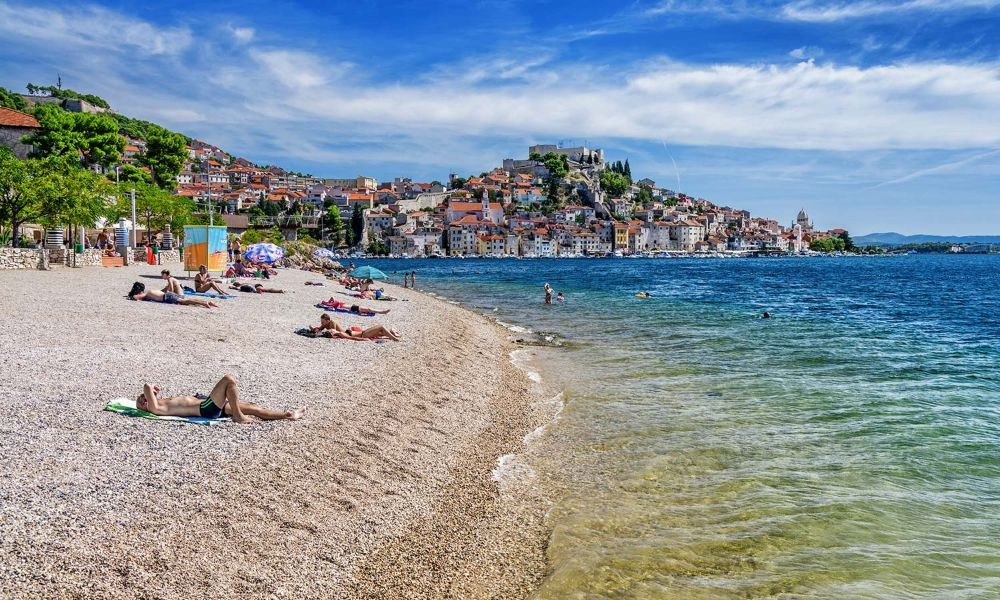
{"x": 112, "y": 261}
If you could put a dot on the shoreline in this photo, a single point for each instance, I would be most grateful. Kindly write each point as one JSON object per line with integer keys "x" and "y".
{"x": 384, "y": 489}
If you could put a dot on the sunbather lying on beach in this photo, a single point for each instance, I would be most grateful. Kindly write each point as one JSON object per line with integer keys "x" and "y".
{"x": 354, "y": 308}
{"x": 173, "y": 285}
{"x": 331, "y": 328}
{"x": 139, "y": 292}
{"x": 222, "y": 400}
{"x": 203, "y": 282}
{"x": 257, "y": 288}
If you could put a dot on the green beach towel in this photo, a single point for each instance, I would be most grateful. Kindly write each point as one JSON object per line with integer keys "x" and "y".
{"x": 126, "y": 406}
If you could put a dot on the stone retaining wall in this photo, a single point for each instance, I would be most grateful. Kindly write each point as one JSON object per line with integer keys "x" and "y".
{"x": 37, "y": 258}
{"x": 23, "y": 258}
{"x": 165, "y": 256}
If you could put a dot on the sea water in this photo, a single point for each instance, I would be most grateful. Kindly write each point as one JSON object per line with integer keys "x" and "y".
{"x": 848, "y": 447}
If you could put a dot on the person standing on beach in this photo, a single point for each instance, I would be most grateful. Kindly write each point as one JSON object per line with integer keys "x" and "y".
{"x": 222, "y": 401}
{"x": 406, "y": 279}
{"x": 548, "y": 294}
{"x": 413, "y": 279}
{"x": 237, "y": 249}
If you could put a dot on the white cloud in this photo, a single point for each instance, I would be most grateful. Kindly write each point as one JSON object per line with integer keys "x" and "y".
{"x": 810, "y": 10}
{"x": 947, "y": 167}
{"x": 92, "y": 27}
{"x": 291, "y": 68}
{"x": 243, "y": 35}
{"x": 806, "y": 53}
{"x": 799, "y": 106}
{"x": 271, "y": 99}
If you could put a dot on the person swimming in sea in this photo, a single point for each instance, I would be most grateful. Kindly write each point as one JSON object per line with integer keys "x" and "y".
{"x": 559, "y": 297}
{"x": 643, "y": 295}
{"x": 766, "y": 315}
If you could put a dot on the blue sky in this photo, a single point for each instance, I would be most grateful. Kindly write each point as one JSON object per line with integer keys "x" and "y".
{"x": 874, "y": 116}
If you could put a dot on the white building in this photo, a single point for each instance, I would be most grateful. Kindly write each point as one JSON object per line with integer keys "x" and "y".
{"x": 687, "y": 234}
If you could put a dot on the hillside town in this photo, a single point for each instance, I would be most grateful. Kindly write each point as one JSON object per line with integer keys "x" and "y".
{"x": 557, "y": 201}
{"x": 506, "y": 211}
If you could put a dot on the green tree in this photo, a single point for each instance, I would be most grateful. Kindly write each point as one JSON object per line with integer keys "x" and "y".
{"x": 845, "y": 237}
{"x": 19, "y": 202}
{"x": 645, "y": 194}
{"x": 72, "y": 195}
{"x": 152, "y": 205}
{"x": 94, "y": 137}
{"x": 556, "y": 164}
{"x": 613, "y": 183}
{"x": 378, "y": 248}
{"x": 830, "y": 244}
{"x": 333, "y": 221}
{"x": 627, "y": 171}
{"x": 9, "y": 99}
{"x": 458, "y": 183}
{"x": 50, "y": 191}
{"x": 134, "y": 174}
{"x": 165, "y": 156}
{"x": 357, "y": 223}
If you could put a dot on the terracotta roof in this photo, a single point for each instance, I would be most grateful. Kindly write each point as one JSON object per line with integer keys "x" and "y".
{"x": 14, "y": 118}
{"x": 471, "y": 206}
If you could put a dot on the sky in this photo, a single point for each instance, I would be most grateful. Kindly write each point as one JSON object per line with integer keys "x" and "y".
{"x": 871, "y": 115}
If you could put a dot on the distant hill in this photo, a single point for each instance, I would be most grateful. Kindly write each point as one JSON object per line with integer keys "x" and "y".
{"x": 898, "y": 239}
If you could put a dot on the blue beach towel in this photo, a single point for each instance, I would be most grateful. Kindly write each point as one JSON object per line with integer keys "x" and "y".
{"x": 190, "y": 292}
{"x": 126, "y": 406}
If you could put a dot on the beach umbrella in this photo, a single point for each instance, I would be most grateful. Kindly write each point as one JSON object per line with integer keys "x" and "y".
{"x": 265, "y": 253}
{"x": 367, "y": 272}
{"x": 323, "y": 253}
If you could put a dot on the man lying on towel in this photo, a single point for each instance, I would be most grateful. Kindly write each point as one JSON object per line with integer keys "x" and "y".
{"x": 221, "y": 401}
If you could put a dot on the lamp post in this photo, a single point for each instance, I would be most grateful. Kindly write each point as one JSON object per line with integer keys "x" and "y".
{"x": 210, "y": 219}
{"x": 131, "y": 194}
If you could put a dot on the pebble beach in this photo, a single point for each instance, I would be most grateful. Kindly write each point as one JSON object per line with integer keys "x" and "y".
{"x": 384, "y": 490}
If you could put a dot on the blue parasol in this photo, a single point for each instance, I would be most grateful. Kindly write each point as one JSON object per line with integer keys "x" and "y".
{"x": 265, "y": 253}
{"x": 367, "y": 272}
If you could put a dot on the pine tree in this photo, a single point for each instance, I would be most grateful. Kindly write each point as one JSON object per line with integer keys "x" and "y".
{"x": 628, "y": 171}
{"x": 358, "y": 223}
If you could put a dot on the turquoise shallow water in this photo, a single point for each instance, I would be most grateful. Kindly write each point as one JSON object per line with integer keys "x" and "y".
{"x": 847, "y": 448}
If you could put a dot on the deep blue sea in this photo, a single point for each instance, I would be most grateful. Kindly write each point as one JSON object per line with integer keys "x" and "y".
{"x": 849, "y": 447}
